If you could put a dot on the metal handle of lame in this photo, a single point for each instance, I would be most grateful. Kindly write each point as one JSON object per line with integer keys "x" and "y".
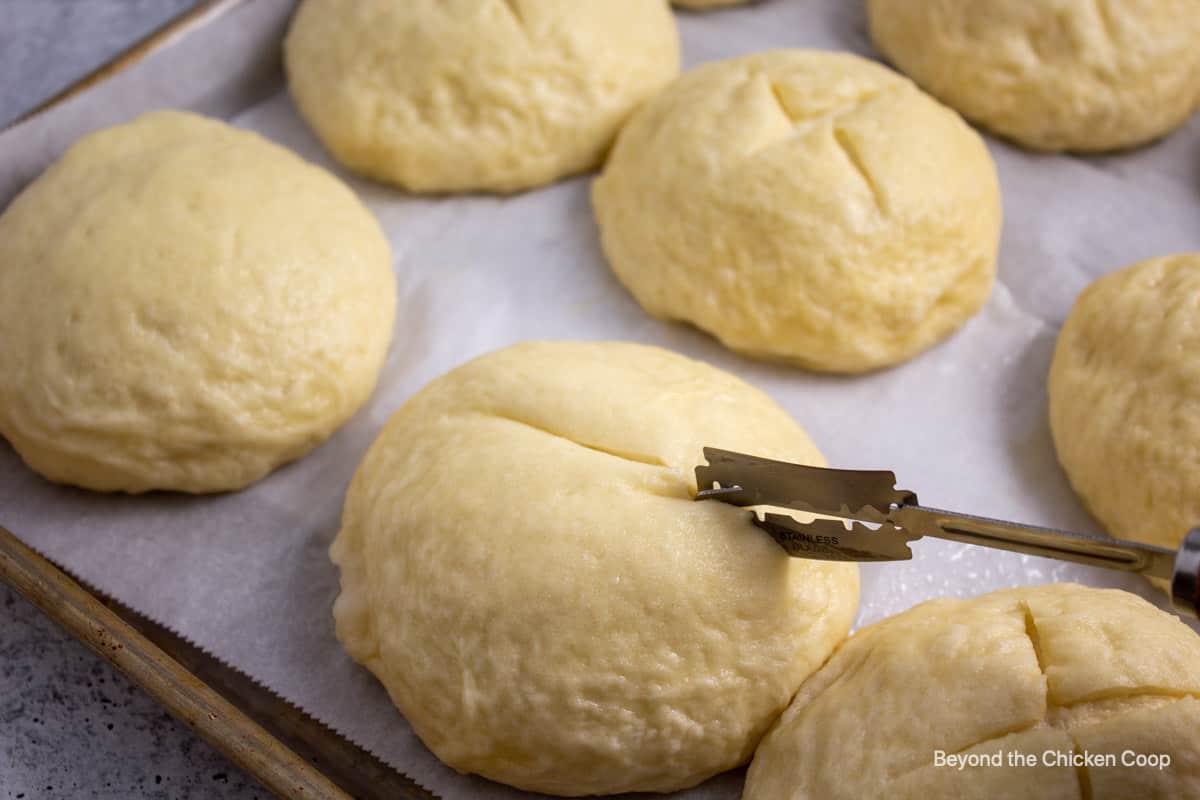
{"x": 1181, "y": 569}
{"x": 1047, "y": 542}
{"x": 218, "y": 722}
{"x": 1185, "y": 582}
{"x": 869, "y": 519}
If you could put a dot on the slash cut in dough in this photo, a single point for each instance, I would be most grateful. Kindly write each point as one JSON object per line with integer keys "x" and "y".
{"x": 1124, "y": 392}
{"x": 1060, "y": 669}
{"x": 803, "y": 206}
{"x": 1082, "y": 75}
{"x": 184, "y": 305}
{"x": 462, "y": 95}
{"x": 524, "y": 568}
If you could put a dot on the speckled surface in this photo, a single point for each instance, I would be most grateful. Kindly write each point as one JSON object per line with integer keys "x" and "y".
{"x": 70, "y": 726}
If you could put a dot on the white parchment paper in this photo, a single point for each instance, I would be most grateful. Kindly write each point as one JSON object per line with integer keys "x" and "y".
{"x": 246, "y": 575}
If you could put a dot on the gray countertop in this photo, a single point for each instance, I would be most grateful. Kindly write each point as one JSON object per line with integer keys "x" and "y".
{"x": 70, "y": 726}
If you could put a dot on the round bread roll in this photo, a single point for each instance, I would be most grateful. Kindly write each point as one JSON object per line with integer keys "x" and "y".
{"x": 1050, "y": 675}
{"x": 460, "y": 95}
{"x": 803, "y": 206}
{"x": 1124, "y": 391}
{"x": 184, "y": 305}
{"x": 524, "y": 568}
{"x": 1082, "y": 75}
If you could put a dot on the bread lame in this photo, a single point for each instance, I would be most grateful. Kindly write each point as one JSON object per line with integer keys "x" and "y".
{"x": 864, "y": 517}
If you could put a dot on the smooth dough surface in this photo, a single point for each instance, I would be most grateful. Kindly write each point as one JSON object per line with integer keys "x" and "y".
{"x": 460, "y": 95}
{"x": 185, "y": 306}
{"x": 1060, "y": 668}
{"x": 1083, "y": 75}
{"x": 524, "y": 569}
{"x": 803, "y": 206}
{"x": 1124, "y": 391}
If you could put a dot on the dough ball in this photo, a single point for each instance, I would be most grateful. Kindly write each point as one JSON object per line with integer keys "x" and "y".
{"x": 1060, "y": 669}
{"x": 1124, "y": 392}
{"x": 525, "y": 570}
{"x": 803, "y": 206}
{"x": 1079, "y": 75}
{"x": 460, "y": 95}
{"x": 184, "y": 305}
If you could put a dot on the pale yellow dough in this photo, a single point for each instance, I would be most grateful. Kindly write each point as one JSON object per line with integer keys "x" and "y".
{"x": 1079, "y": 75}
{"x": 185, "y": 306}
{"x": 1059, "y": 668}
{"x": 524, "y": 569}
{"x": 459, "y": 95}
{"x": 803, "y": 206}
{"x": 1124, "y": 392}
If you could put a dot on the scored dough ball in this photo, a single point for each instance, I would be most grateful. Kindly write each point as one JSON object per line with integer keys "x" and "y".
{"x": 185, "y": 306}
{"x": 459, "y": 95}
{"x": 524, "y": 568}
{"x": 1048, "y": 673}
{"x": 1081, "y": 75}
{"x": 803, "y": 206}
{"x": 1124, "y": 391}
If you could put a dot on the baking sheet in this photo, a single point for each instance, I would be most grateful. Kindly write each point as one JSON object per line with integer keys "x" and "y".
{"x": 246, "y": 576}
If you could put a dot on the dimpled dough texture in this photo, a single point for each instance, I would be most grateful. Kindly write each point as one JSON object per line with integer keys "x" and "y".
{"x": 803, "y": 206}
{"x": 524, "y": 569}
{"x": 185, "y": 306}
{"x": 1124, "y": 393}
{"x": 1060, "y": 668}
{"x": 1079, "y": 75}
{"x": 459, "y": 95}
